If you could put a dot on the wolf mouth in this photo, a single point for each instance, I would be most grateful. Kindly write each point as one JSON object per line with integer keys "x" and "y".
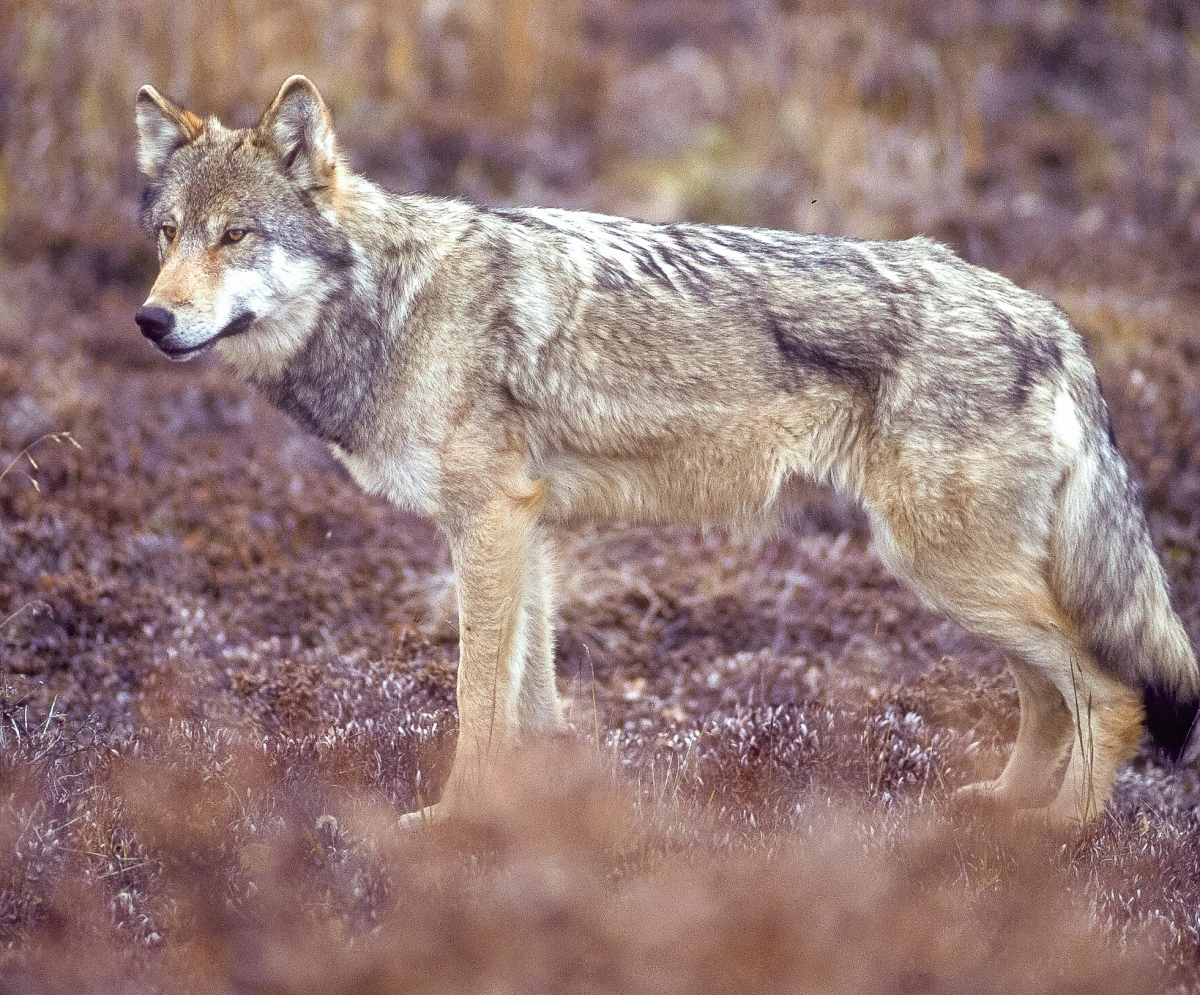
{"x": 235, "y": 327}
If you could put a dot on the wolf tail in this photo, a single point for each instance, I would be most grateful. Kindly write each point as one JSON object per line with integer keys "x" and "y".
{"x": 1113, "y": 588}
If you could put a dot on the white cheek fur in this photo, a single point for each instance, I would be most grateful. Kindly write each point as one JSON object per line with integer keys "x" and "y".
{"x": 243, "y": 285}
{"x": 268, "y": 289}
{"x": 289, "y": 274}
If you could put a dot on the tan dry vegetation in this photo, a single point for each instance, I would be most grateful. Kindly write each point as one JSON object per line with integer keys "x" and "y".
{"x": 224, "y": 671}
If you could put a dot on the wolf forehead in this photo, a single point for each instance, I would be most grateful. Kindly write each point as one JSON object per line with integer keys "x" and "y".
{"x": 224, "y": 172}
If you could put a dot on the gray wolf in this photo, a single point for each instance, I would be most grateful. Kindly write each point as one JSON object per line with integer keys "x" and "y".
{"x": 501, "y": 370}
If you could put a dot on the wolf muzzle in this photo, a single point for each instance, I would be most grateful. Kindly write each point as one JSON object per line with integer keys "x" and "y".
{"x": 157, "y": 324}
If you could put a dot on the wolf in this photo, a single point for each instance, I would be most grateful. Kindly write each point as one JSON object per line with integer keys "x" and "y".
{"x": 502, "y": 370}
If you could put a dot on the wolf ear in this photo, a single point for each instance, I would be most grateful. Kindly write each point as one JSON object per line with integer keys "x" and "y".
{"x": 300, "y": 126}
{"x": 162, "y": 128}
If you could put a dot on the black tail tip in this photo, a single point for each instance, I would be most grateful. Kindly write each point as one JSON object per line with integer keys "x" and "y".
{"x": 1172, "y": 723}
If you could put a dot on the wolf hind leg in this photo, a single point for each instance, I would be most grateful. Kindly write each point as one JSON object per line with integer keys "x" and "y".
{"x": 1107, "y": 719}
{"x": 1043, "y": 745}
{"x": 1075, "y": 713}
{"x": 988, "y": 573}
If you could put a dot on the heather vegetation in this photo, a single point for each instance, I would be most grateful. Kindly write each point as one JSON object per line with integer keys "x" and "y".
{"x": 225, "y": 672}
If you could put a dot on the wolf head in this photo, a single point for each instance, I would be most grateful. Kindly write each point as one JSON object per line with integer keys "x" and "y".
{"x": 245, "y": 224}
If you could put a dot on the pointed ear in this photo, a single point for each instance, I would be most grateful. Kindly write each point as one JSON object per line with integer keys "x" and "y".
{"x": 300, "y": 127}
{"x": 162, "y": 128}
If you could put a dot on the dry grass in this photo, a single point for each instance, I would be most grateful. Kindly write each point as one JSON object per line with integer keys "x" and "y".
{"x": 224, "y": 672}
{"x": 224, "y": 862}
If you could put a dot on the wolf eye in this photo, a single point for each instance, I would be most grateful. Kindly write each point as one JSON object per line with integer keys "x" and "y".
{"x": 169, "y": 231}
{"x": 234, "y": 235}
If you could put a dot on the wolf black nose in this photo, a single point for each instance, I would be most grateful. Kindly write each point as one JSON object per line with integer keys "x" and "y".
{"x": 155, "y": 322}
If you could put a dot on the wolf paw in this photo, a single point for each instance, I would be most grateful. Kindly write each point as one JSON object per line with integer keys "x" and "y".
{"x": 1049, "y": 819}
{"x": 424, "y": 818}
{"x": 1027, "y": 811}
{"x": 980, "y": 794}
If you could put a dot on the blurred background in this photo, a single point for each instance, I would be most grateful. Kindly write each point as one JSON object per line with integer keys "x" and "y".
{"x": 1058, "y": 141}
{"x": 224, "y": 670}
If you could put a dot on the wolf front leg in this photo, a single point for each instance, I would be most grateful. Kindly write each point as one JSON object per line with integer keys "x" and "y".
{"x": 506, "y": 685}
{"x": 538, "y": 708}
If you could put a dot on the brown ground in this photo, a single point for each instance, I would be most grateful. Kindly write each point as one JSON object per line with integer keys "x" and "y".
{"x": 224, "y": 671}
